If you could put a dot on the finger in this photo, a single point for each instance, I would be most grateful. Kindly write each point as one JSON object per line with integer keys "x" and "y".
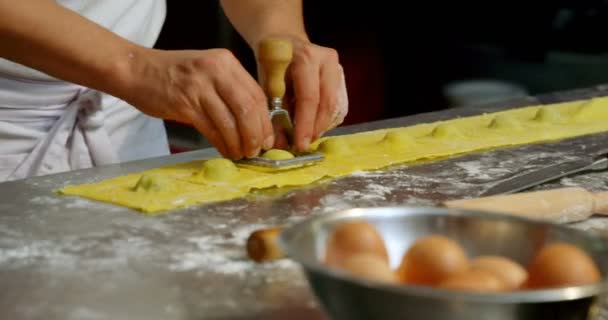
{"x": 342, "y": 102}
{"x": 340, "y": 115}
{"x": 224, "y": 121}
{"x": 202, "y": 123}
{"x": 267, "y": 128}
{"x": 265, "y": 121}
{"x": 261, "y": 107}
{"x": 328, "y": 108}
{"x": 267, "y": 131}
{"x": 242, "y": 105}
{"x": 306, "y": 89}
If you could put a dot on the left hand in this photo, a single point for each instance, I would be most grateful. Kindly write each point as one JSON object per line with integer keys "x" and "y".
{"x": 316, "y": 93}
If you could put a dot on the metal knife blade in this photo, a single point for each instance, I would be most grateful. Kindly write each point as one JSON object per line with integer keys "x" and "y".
{"x": 546, "y": 174}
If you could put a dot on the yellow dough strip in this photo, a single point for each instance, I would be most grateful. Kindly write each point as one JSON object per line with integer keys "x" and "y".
{"x": 213, "y": 180}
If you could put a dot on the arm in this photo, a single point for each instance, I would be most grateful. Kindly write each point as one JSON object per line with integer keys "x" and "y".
{"x": 259, "y": 19}
{"x": 206, "y": 88}
{"x": 45, "y": 36}
{"x": 319, "y": 89}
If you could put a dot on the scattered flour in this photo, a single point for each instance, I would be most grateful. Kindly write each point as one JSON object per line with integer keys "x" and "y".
{"x": 70, "y": 255}
{"x": 82, "y": 313}
{"x": 223, "y": 255}
{"x": 473, "y": 168}
{"x": 481, "y": 170}
{"x": 379, "y": 189}
{"x": 592, "y": 181}
{"x": 371, "y": 192}
{"x": 23, "y": 255}
{"x": 218, "y": 253}
{"x": 46, "y": 200}
{"x": 80, "y": 203}
{"x": 333, "y": 203}
{"x": 223, "y": 250}
{"x": 71, "y": 202}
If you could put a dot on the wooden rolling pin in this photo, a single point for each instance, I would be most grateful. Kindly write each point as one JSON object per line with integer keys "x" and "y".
{"x": 561, "y": 205}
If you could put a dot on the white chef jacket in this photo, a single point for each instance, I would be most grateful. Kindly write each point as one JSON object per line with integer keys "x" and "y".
{"x": 50, "y": 126}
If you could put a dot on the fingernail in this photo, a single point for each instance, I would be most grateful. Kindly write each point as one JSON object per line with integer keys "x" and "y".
{"x": 268, "y": 142}
{"x": 305, "y": 143}
{"x": 236, "y": 155}
{"x": 254, "y": 153}
{"x": 222, "y": 151}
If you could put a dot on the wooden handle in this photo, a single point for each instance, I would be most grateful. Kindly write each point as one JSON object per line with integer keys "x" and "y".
{"x": 262, "y": 245}
{"x": 600, "y": 205}
{"x": 274, "y": 56}
{"x": 560, "y": 205}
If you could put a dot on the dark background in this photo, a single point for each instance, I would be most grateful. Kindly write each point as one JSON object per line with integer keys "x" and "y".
{"x": 398, "y": 61}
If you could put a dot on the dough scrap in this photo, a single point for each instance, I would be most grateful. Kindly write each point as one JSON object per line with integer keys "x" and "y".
{"x": 366, "y": 151}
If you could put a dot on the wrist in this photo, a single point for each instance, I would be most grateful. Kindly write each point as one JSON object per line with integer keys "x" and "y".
{"x": 122, "y": 73}
{"x": 297, "y": 39}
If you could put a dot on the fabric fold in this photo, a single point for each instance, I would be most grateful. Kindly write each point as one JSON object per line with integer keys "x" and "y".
{"x": 78, "y": 134}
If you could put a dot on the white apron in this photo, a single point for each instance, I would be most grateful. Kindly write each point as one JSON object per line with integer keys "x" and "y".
{"x": 50, "y": 126}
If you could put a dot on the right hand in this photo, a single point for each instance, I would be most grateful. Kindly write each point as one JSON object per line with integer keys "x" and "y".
{"x": 208, "y": 89}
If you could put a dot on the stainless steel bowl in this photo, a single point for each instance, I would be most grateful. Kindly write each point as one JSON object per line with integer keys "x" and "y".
{"x": 347, "y": 297}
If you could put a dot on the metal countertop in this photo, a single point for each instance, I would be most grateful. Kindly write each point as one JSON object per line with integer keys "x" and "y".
{"x": 70, "y": 258}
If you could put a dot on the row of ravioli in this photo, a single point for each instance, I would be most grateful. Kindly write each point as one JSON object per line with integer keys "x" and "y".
{"x": 221, "y": 169}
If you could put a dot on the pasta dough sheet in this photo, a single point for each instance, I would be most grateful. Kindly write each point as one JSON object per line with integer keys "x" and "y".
{"x": 214, "y": 180}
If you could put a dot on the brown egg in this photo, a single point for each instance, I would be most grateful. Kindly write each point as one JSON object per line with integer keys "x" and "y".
{"x": 352, "y": 238}
{"x": 473, "y": 280}
{"x": 512, "y": 274}
{"x": 560, "y": 265}
{"x": 369, "y": 266}
{"x": 432, "y": 259}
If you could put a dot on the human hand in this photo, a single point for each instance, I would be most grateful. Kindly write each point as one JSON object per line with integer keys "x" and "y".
{"x": 208, "y": 89}
{"x": 316, "y": 93}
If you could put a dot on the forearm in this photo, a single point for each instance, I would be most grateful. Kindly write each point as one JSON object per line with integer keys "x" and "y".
{"x": 48, "y": 37}
{"x": 259, "y": 19}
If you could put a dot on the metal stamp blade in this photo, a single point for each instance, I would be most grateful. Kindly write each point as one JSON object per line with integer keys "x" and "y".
{"x": 280, "y": 118}
{"x": 272, "y": 165}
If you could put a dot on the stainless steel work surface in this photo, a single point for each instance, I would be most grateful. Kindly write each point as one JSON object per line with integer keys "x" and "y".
{"x": 70, "y": 258}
